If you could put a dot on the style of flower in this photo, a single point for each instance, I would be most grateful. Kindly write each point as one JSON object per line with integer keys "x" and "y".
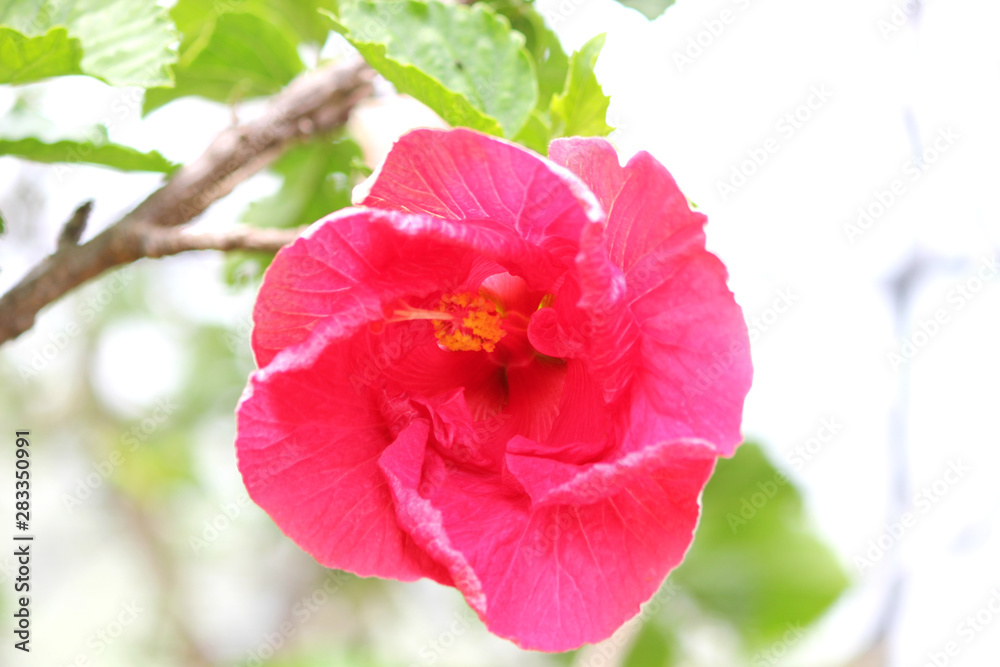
{"x": 509, "y": 374}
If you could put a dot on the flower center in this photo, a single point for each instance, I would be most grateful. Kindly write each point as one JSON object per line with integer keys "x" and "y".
{"x": 474, "y": 324}
{"x": 463, "y": 321}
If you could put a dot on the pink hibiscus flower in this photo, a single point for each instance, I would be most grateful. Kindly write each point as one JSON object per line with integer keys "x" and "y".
{"x": 509, "y": 374}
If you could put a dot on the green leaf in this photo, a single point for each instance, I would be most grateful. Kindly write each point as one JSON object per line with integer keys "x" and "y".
{"x": 755, "y": 560}
{"x": 464, "y": 63}
{"x": 301, "y": 16}
{"x": 654, "y": 646}
{"x": 535, "y": 134}
{"x": 25, "y": 59}
{"x": 228, "y": 56}
{"x": 649, "y": 8}
{"x": 124, "y": 42}
{"x": 116, "y": 156}
{"x": 551, "y": 62}
{"x": 581, "y": 109}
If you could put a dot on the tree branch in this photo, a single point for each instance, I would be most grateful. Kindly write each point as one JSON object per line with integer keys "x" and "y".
{"x": 313, "y": 104}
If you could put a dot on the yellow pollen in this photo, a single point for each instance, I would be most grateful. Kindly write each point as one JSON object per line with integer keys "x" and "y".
{"x": 474, "y": 324}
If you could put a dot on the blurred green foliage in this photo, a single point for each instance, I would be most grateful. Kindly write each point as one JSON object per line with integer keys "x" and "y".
{"x": 756, "y": 561}
{"x": 123, "y": 42}
{"x": 227, "y": 56}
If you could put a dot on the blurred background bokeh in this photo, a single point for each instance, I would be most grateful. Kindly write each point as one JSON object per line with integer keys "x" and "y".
{"x": 149, "y": 551}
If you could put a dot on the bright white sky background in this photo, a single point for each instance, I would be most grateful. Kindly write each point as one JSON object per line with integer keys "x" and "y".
{"x": 880, "y": 99}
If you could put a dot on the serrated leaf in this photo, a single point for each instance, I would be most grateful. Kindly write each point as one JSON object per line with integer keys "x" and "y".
{"x": 124, "y": 42}
{"x": 755, "y": 560}
{"x": 649, "y": 8}
{"x": 25, "y": 59}
{"x": 116, "y": 156}
{"x": 229, "y": 56}
{"x": 464, "y": 63}
{"x": 551, "y": 62}
{"x": 581, "y": 109}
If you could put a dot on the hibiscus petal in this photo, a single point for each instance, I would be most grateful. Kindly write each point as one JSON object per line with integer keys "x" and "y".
{"x": 693, "y": 346}
{"x": 696, "y": 355}
{"x": 402, "y": 464}
{"x": 550, "y": 482}
{"x": 643, "y": 203}
{"x": 308, "y": 444}
{"x": 347, "y": 268}
{"x": 460, "y": 174}
{"x": 556, "y": 576}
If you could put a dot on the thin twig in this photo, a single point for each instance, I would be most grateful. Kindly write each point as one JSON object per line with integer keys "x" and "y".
{"x": 73, "y": 229}
{"x": 312, "y": 105}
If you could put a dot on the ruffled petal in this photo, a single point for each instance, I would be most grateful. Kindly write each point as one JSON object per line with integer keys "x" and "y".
{"x": 644, "y": 206}
{"x": 556, "y": 575}
{"x": 460, "y": 174}
{"x": 346, "y": 269}
{"x": 308, "y": 446}
{"x": 694, "y": 367}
